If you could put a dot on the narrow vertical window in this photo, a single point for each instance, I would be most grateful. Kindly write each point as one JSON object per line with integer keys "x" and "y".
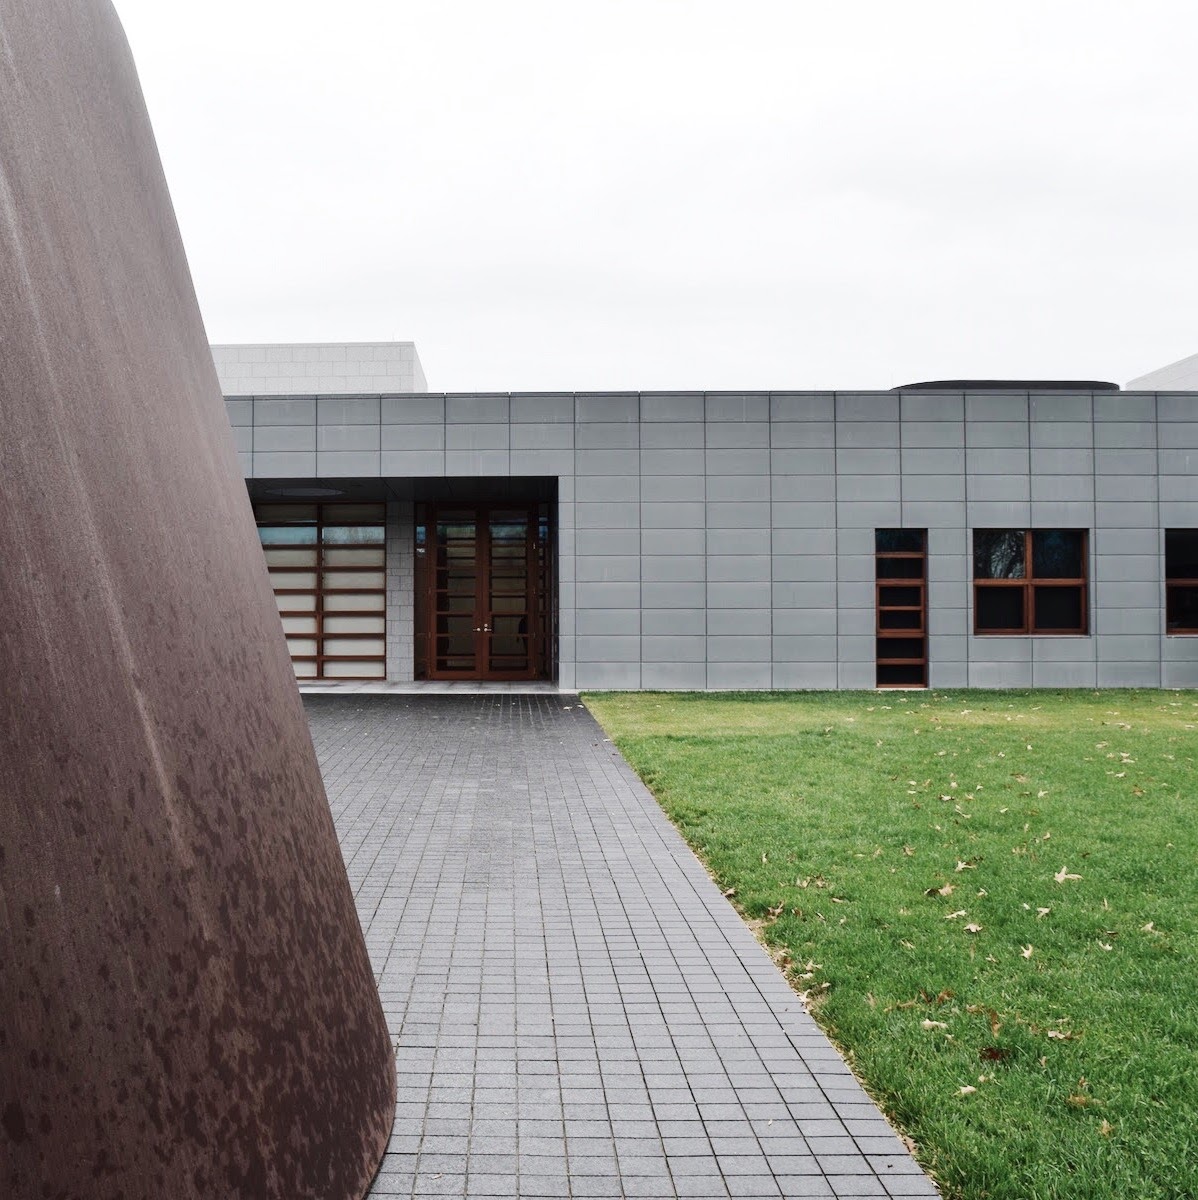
{"x": 900, "y": 569}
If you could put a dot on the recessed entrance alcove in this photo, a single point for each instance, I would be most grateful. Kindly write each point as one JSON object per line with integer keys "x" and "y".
{"x": 414, "y": 579}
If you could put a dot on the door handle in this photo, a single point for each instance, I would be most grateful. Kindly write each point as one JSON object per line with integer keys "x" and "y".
{"x": 482, "y": 629}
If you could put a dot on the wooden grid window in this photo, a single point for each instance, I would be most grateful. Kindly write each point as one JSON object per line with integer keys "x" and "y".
{"x": 327, "y": 565}
{"x": 901, "y": 605}
{"x": 1181, "y": 580}
{"x": 1029, "y": 581}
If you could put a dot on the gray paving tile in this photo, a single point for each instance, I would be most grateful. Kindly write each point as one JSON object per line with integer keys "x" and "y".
{"x": 577, "y": 1011}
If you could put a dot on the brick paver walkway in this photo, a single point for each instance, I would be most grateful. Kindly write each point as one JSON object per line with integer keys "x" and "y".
{"x": 577, "y": 1010}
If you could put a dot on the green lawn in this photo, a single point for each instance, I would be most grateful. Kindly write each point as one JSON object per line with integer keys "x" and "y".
{"x": 990, "y": 899}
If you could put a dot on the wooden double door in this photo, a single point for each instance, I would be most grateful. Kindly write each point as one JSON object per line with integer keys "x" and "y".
{"x": 484, "y": 591}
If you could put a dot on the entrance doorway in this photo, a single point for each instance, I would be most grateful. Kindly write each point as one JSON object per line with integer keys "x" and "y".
{"x": 484, "y": 591}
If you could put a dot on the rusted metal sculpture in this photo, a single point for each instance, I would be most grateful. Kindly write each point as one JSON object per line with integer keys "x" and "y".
{"x": 186, "y": 1004}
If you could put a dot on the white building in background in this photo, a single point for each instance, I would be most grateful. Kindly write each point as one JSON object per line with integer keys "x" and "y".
{"x": 319, "y": 368}
{"x": 1176, "y": 377}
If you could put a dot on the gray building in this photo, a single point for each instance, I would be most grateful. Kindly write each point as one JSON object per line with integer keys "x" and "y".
{"x": 966, "y": 536}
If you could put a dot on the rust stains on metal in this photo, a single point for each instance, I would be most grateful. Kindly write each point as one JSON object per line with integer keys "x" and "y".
{"x": 186, "y": 1004}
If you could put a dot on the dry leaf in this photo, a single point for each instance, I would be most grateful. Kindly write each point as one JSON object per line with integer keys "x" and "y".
{"x": 1106, "y": 1128}
{"x": 909, "y": 851}
{"x": 964, "y": 866}
{"x": 1042, "y": 912}
{"x": 932, "y": 1025}
{"x": 973, "y": 928}
{"x": 1027, "y": 951}
{"x": 954, "y": 915}
{"x": 1147, "y": 928}
{"x": 1104, "y": 945}
{"x": 730, "y": 892}
{"x": 1060, "y": 1035}
{"x": 1063, "y": 874}
{"x": 967, "y": 1090}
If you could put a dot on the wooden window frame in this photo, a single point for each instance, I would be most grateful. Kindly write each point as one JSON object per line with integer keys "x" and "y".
{"x": 1028, "y": 586}
{"x": 883, "y": 635}
{"x": 319, "y": 571}
{"x": 1175, "y": 584}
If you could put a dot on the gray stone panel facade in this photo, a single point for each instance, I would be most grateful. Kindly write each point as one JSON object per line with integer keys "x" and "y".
{"x": 725, "y": 540}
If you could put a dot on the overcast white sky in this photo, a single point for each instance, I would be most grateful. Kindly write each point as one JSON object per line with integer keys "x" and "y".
{"x": 589, "y": 194}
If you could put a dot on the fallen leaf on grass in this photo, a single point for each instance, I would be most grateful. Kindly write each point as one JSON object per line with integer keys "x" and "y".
{"x": 1042, "y": 912}
{"x": 730, "y": 893}
{"x": 927, "y": 1024}
{"x": 907, "y": 945}
{"x": 990, "y": 1015}
{"x": 1060, "y": 1035}
{"x": 946, "y": 890}
{"x": 1063, "y": 874}
{"x": 994, "y": 1053}
{"x": 954, "y": 915}
{"x": 1027, "y": 951}
{"x": 1104, "y": 945}
{"x": 1106, "y": 1128}
{"x": 967, "y": 1090}
{"x": 909, "y": 851}
{"x": 965, "y": 866}
{"x": 973, "y": 928}
{"x": 1149, "y": 928}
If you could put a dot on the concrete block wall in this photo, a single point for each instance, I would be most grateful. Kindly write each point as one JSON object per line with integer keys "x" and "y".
{"x": 726, "y": 540}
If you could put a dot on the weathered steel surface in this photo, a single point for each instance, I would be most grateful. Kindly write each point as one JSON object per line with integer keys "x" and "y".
{"x": 186, "y": 1004}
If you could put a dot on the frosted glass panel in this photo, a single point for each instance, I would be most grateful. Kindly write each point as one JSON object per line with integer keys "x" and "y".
{"x": 287, "y": 535}
{"x": 295, "y": 603}
{"x": 300, "y": 625}
{"x": 278, "y": 556}
{"x": 364, "y": 647}
{"x": 353, "y": 535}
{"x": 349, "y": 556}
{"x": 341, "y": 580}
{"x": 353, "y": 602}
{"x": 353, "y": 624}
{"x": 304, "y": 670}
{"x": 301, "y": 645}
{"x": 282, "y": 580}
{"x": 355, "y": 670}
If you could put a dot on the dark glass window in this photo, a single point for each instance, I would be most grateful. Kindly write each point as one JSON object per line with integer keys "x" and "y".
{"x": 1057, "y": 553}
{"x": 1181, "y": 580}
{"x": 1011, "y": 572}
{"x": 1058, "y": 608}
{"x": 900, "y": 541}
{"x": 1000, "y": 610}
{"x": 999, "y": 554}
